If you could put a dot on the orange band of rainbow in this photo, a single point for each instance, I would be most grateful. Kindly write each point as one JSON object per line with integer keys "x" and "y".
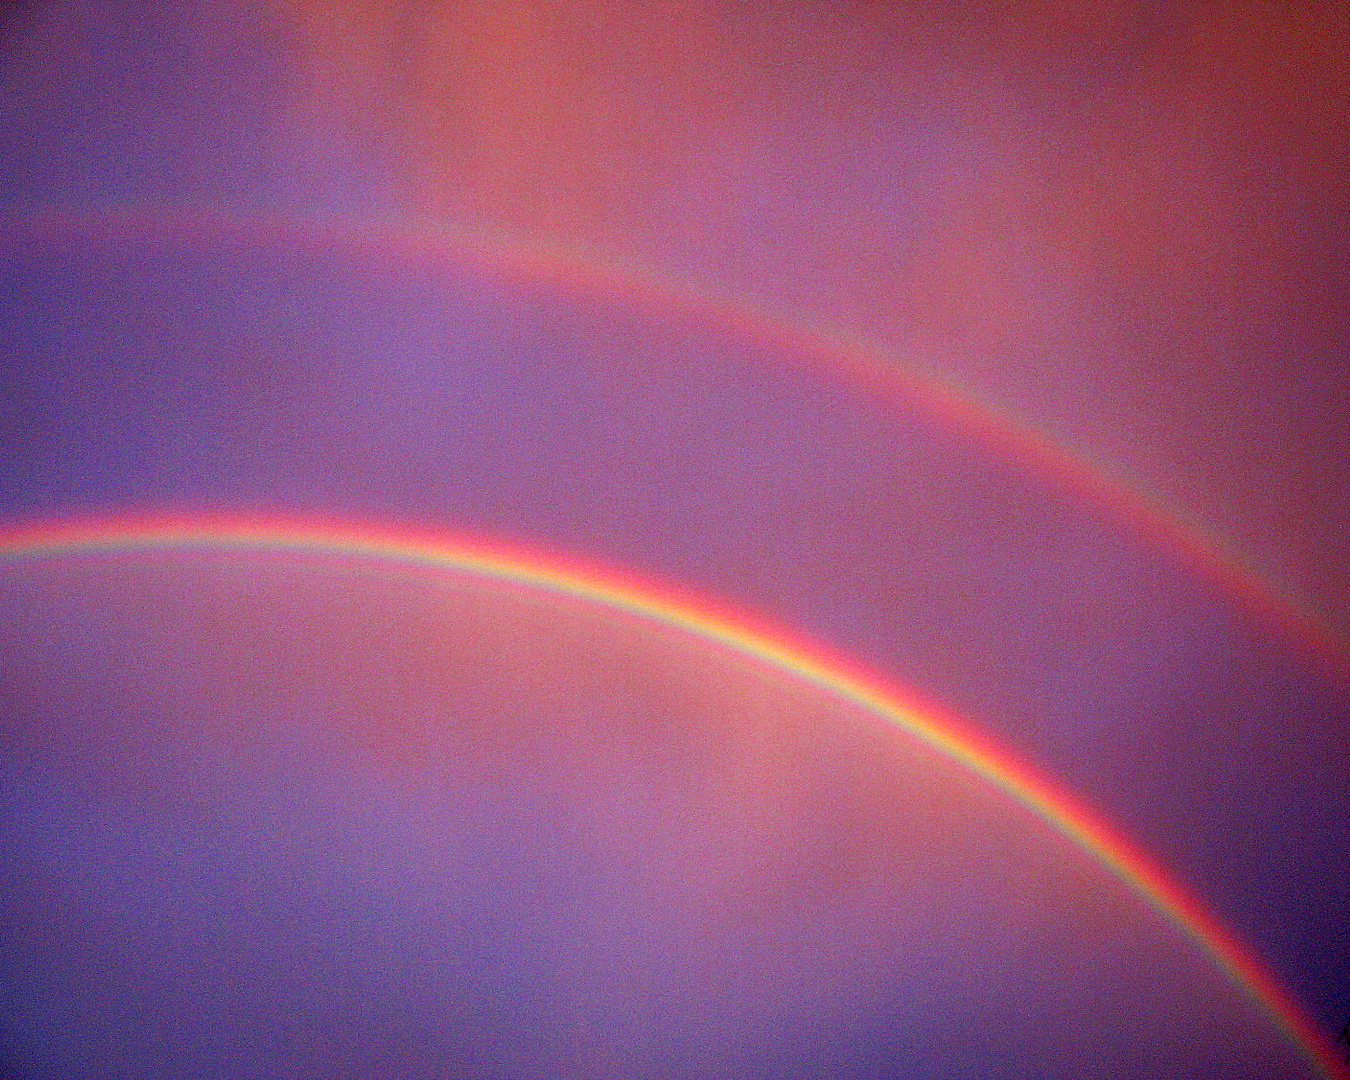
{"x": 759, "y": 643}
{"x": 428, "y": 245}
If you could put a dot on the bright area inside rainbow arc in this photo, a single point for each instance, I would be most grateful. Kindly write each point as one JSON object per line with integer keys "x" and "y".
{"x": 281, "y": 813}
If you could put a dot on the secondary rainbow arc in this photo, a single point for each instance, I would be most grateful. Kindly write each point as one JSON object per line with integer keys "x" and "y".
{"x": 739, "y": 634}
{"x": 871, "y": 365}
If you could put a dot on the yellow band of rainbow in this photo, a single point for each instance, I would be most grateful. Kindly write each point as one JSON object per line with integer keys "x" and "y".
{"x": 768, "y": 646}
{"x": 431, "y": 246}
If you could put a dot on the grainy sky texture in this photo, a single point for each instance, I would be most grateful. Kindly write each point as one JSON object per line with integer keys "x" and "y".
{"x": 999, "y": 350}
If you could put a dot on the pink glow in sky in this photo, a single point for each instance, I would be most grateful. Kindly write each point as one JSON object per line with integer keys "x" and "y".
{"x": 999, "y": 349}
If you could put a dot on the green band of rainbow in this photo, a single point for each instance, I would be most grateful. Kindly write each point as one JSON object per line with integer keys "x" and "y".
{"x": 734, "y": 632}
{"x": 427, "y": 246}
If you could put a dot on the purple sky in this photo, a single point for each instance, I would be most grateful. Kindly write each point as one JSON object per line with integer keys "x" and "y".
{"x": 1122, "y": 225}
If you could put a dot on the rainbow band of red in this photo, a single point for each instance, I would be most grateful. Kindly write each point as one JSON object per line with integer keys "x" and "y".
{"x": 426, "y": 244}
{"x": 760, "y": 643}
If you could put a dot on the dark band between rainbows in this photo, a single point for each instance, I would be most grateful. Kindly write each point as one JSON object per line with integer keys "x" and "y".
{"x": 428, "y": 245}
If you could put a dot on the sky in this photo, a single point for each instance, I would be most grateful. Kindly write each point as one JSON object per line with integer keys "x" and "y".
{"x": 999, "y": 352}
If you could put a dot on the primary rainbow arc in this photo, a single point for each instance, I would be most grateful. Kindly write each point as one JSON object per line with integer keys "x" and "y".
{"x": 428, "y": 243}
{"x": 764, "y": 645}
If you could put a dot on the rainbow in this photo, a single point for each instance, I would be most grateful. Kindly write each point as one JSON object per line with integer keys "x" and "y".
{"x": 904, "y": 383}
{"x": 737, "y": 634}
